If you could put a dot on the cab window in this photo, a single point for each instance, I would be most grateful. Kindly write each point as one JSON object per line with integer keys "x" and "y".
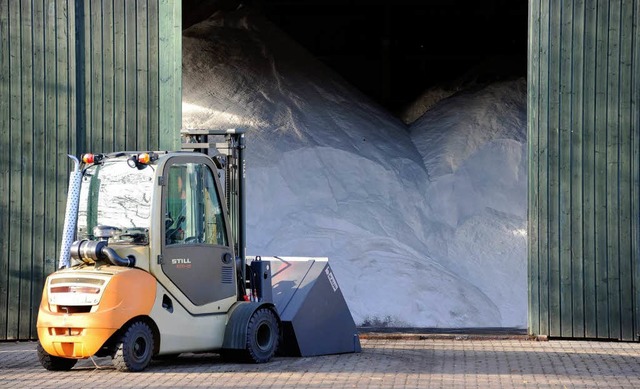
{"x": 193, "y": 208}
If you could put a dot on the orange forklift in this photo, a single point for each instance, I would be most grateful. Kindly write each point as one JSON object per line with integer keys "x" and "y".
{"x": 153, "y": 264}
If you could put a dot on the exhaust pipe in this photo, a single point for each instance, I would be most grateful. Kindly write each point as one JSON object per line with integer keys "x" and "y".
{"x": 70, "y": 215}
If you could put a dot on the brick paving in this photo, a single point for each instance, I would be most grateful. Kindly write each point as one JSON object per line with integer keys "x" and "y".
{"x": 385, "y": 362}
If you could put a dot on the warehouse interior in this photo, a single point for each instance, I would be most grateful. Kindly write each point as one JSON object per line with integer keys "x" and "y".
{"x": 392, "y": 51}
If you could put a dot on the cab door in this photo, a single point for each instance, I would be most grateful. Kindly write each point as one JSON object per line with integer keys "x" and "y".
{"x": 197, "y": 255}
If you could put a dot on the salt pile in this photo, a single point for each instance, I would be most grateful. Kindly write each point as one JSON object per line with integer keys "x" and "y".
{"x": 332, "y": 174}
{"x": 474, "y": 148}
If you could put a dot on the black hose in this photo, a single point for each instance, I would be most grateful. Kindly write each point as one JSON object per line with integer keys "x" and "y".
{"x": 114, "y": 258}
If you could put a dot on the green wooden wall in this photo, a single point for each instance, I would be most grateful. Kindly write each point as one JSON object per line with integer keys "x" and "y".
{"x": 584, "y": 134}
{"x": 129, "y": 54}
{"x": 75, "y": 76}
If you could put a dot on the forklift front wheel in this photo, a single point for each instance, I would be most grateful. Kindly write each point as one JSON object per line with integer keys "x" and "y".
{"x": 135, "y": 348}
{"x": 262, "y": 336}
{"x": 53, "y": 363}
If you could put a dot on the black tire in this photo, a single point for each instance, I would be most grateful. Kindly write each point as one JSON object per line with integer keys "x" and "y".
{"x": 262, "y": 336}
{"x": 134, "y": 349}
{"x": 54, "y": 363}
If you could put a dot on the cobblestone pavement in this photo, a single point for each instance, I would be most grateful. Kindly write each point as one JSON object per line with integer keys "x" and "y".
{"x": 403, "y": 362}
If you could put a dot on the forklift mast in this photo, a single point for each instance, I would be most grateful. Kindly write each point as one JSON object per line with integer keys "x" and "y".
{"x": 226, "y": 148}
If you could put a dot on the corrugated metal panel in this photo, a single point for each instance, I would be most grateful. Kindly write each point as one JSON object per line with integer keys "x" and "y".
{"x": 584, "y": 173}
{"x": 74, "y": 76}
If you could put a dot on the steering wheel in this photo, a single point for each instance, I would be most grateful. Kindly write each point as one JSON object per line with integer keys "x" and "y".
{"x": 177, "y": 226}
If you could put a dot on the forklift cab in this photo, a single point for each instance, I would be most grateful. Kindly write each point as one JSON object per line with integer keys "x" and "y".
{"x": 196, "y": 251}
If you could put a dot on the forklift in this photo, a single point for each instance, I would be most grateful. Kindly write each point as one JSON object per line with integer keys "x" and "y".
{"x": 153, "y": 264}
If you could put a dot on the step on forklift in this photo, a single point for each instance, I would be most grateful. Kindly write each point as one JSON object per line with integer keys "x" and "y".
{"x": 153, "y": 264}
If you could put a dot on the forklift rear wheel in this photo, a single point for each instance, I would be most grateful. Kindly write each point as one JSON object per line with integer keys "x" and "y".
{"x": 262, "y": 336}
{"x": 134, "y": 348}
{"x": 54, "y": 363}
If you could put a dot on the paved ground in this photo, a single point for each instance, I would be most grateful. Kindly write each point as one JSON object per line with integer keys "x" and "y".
{"x": 408, "y": 361}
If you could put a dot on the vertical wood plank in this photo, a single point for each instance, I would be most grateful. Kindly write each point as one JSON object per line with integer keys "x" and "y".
{"x": 153, "y": 78}
{"x": 543, "y": 149}
{"x": 176, "y": 90}
{"x": 5, "y": 164}
{"x": 635, "y": 120}
{"x": 625, "y": 176}
{"x": 613, "y": 172}
{"x": 554, "y": 170}
{"x": 588, "y": 168}
{"x": 76, "y": 53}
{"x": 131, "y": 64}
{"x": 142, "y": 74}
{"x": 50, "y": 102}
{"x": 95, "y": 93}
{"x": 119, "y": 76}
{"x": 65, "y": 138}
{"x": 533, "y": 128}
{"x": 170, "y": 73}
{"x": 15, "y": 169}
{"x": 108, "y": 80}
{"x": 37, "y": 236}
{"x": 15, "y": 184}
{"x": 26, "y": 178}
{"x": 84, "y": 29}
{"x": 71, "y": 82}
{"x": 84, "y": 36}
{"x": 577, "y": 168}
{"x": 601, "y": 136}
{"x": 564, "y": 168}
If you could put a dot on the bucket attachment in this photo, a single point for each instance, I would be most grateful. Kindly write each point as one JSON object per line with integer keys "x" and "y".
{"x": 315, "y": 317}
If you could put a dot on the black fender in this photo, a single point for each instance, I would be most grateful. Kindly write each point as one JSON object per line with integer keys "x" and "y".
{"x": 235, "y": 332}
